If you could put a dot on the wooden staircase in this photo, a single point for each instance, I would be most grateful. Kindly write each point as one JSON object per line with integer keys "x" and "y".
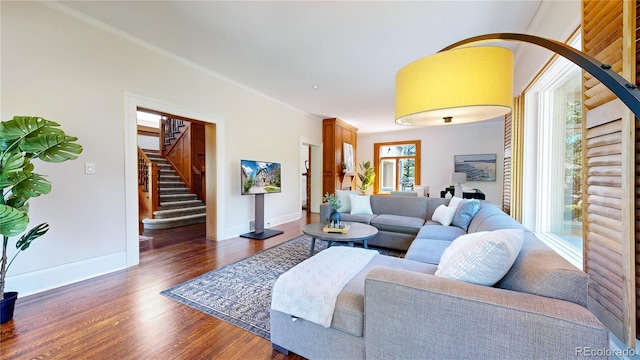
{"x": 177, "y": 206}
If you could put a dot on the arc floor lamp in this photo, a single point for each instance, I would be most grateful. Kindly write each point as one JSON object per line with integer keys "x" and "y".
{"x": 463, "y": 84}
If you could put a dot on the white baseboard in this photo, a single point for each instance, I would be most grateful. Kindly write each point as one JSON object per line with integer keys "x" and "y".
{"x": 41, "y": 280}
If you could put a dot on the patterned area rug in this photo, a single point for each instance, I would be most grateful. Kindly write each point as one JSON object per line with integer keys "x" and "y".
{"x": 240, "y": 293}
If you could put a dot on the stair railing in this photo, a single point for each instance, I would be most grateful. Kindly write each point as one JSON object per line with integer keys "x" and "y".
{"x": 198, "y": 179}
{"x": 148, "y": 183}
{"x": 170, "y": 127}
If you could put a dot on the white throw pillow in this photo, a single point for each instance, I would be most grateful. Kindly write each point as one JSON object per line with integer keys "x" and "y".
{"x": 481, "y": 259}
{"x": 456, "y": 246}
{"x": 455, "y": 201}
{"x": 360, "y": 204}
{"x": 345, "y": 203}
{"x": 444, "y": 214}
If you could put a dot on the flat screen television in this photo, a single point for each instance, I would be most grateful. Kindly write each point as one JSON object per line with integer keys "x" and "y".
{"x": 259, "y": 177}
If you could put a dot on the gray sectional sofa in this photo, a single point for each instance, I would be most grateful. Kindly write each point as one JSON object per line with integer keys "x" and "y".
{"x": 395, "y": 308}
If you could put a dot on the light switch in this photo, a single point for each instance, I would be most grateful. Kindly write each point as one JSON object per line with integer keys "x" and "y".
{"x": 89, "y": 168}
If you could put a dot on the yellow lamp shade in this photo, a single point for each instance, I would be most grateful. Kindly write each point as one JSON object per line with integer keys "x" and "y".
{"x": 464, "y": 85}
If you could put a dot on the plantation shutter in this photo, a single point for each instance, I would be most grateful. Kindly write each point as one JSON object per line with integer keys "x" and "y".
{"x": 517, "y": 156}
{"x": 637, "y": 177}
{"x": 609, "y": 170}
{"x": 506, "y": 173}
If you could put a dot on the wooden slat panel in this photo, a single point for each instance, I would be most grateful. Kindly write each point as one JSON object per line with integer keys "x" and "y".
{"x": 604, "y": 171}
{"x": 605, "y": 191}
{"x": 603, "y": 248}
{"x": 608, "y": 299}
{"x": 609, "y": 160}
{"x": 603, "y": 240}
{"x": 604, "y": 221}
{"x": 603, "y": 140}
{"x": 605, "y": 201}
{"x": 608, "y": 282}
{"x": 605, "y": 211}
{"x": 605, "y": 150}
{"x": 615, "y": 181}
{"x": 604, "y": 129}
{"x": 605, "y": 254}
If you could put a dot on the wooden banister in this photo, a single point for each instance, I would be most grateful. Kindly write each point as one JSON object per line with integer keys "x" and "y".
{"x": 198, "y": 178}
{"x": 170, "y": 127}
{"x": 148, "y": 184}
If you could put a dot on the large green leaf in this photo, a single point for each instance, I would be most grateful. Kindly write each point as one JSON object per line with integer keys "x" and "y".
{"x": 18, "y": 202}
{"x": 23, "y": 126}
{"x": 12, "y": 221}
{"x": 28, "y": 237}
{"x": 52, "y": 148}
{"x": 11, "y": 162}
{"x": 30, "y": 185}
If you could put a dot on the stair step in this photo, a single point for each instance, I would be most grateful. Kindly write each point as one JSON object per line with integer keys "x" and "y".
{"x": 177, "y": 197}
{"x": 165, "y": 214}
{"x": 172, "y": 191}
{"x": 179, "y": 204}
{"x": 174, "y": 222}
{"x": 170, "y": 184}
{"x": 177, "y": 207}
{"x": 170, "y": 178}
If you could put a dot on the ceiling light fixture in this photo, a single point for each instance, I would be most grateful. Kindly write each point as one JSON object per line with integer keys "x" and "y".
{"x": 449, "y": 83}
{"x": 314, "y": 86}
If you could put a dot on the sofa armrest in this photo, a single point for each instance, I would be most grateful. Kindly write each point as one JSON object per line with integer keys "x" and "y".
{"x": 325, "y": 211}
{"x": 411, "y": 315}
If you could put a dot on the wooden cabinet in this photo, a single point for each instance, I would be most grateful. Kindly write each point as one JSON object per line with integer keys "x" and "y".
{"x": 335, "y": 133}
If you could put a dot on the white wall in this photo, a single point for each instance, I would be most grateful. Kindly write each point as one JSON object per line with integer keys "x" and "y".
{"x": 554, "y": 20}
{"x": 147, "y": 142}
{"x": 67, "y": 70}
{"x": 440, "y": 144}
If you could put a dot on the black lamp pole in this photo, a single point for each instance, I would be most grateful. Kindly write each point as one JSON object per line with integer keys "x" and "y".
{"x": 627, "y": 92}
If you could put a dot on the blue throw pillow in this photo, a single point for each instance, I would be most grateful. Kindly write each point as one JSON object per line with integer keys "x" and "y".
{"x": 465, "y": 212}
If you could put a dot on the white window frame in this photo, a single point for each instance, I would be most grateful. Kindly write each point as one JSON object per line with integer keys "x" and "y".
{"x": 539, "y": 177}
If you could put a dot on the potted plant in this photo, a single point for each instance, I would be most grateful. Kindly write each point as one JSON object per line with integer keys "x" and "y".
{"x": 334, "y": 217}
{"x": 366, "y": 176}
{"x": 23, "y": 139}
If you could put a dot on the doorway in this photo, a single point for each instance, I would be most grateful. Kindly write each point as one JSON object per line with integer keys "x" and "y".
{"x": 214, "y": 148}
{"x": 311, "y": 183}
{"x": 171, "y": 173}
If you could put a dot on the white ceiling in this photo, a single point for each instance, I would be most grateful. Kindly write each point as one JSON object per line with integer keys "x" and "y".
{"x": 350, "y": 50}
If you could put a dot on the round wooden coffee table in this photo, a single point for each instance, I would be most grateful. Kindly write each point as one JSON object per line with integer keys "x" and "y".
{"x": 357, "y": 232}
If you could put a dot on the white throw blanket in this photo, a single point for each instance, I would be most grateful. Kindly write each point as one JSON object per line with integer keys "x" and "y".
{"x": 309, "y": 290}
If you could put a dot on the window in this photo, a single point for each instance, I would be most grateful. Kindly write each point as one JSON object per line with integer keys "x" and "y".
{"x": 553, "y": 166}
{"x": 397, "y": 165}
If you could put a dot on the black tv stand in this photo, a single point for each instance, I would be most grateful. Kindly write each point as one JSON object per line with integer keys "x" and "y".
{"x": 260, "y": 233}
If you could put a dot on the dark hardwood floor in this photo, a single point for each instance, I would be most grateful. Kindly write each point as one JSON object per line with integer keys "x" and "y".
{"x": 123, "y": 316}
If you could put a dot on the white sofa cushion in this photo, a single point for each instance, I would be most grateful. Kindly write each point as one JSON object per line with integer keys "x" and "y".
{"x": 455, "y": 201}
{"x": 345, "y": 202}
{"x": 481, "y": 258}
{"x": 444, "y": 214}
{"x": 360, "y": 204}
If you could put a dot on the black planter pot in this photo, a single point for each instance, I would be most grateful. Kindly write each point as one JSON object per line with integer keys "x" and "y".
{"x": 7, "y": 305}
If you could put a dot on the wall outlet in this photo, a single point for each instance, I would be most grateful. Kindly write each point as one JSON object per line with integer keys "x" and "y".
{"x": 252, "y": 225}
{"x": 89, "y": 168}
